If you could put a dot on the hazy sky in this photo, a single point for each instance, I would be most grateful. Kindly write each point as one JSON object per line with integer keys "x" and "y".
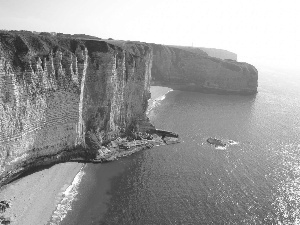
{"x": 257, "y": 30}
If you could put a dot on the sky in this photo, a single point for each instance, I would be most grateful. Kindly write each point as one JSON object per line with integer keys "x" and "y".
{"x": 258, "y": 31}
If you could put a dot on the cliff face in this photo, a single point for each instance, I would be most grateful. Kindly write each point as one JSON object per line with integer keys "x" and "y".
{"x": 220, "y": 53}
{"x": 212, "y": 52}
{"x": 56, "y": 94}
{"x": 64, "y": 98}
{"x": 193, "y": 70}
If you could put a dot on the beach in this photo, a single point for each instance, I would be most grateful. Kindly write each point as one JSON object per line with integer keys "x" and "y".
{"x": 34, "y": 198}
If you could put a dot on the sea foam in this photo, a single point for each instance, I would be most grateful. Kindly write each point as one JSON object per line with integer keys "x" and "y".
{"x": 153, "y": 103}
{"x": 69, "y": 196}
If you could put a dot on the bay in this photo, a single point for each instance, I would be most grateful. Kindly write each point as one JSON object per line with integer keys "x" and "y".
{"x": 255, "y": 180}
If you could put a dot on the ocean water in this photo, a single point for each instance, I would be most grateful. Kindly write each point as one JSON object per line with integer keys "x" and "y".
{"x": 254, "y": 180}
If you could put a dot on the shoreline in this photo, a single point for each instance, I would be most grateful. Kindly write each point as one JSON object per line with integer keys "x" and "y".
{"x": 35, "y": 198}
{"x": 158, "y": 94}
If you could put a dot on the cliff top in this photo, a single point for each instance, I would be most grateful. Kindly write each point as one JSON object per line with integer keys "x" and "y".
{"x": 23, "y": 46}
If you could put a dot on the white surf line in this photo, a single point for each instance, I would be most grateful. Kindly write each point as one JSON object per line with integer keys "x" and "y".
{"x": 69, "y": 195}
{"x": 156, "y": 102}
{"x": 231, "y": 142}
{"x": 228, "y": 142}
{"x": 221, "y": 148}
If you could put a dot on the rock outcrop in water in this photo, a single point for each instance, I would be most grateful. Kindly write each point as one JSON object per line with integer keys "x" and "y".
{"x": 216, "y": 142}
{"x": 62, "y": 98}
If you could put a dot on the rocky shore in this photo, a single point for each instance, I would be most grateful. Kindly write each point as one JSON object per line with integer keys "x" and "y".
{"x": 125, "y": 146}
{"x": 69, "y": 99}
{"x": 34, "y": 197}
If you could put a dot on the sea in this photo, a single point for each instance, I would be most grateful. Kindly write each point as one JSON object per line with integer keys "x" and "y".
{"x": 255, "y": 179}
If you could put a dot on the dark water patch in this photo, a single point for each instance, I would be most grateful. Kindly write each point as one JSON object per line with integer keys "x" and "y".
{"x": 94, "y": 193}
{"x": 255, "y": 181}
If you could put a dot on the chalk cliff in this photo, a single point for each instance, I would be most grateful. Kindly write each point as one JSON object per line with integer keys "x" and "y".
{"x": 68, "y": 98}
{"x": 220, "y": 53}
{"x": 213, "y": 52}
{"x": 62, "y": 98}
{"x": 193, "y": 69}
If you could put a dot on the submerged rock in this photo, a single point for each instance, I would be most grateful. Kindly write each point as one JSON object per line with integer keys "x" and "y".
{"x": 4, "y": 205}
{"x": 171, "y": 140}
{"x": 216, "y": 142}
{"x": 4, "y": 220}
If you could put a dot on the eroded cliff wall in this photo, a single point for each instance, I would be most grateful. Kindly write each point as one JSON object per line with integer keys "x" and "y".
{"x": 62, "y": 97}
{"x": 194, "y": 70}
{"x": 57, "y": 93}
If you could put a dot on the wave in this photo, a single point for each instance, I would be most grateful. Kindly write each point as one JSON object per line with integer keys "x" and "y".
{"x": 232, "y": 142}
{"x": 153, "y": 103}
{"x": 69, "y": 196}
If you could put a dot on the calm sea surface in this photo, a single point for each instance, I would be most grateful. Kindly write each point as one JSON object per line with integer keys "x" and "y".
{"x": 254, "y": 181}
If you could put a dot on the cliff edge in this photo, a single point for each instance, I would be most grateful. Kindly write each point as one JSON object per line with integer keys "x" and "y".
{"x": 66, "y": 98}
{"x": 194, "y": 69}
{"x": 213, "y": 52}
{"x": 79, "y": 98}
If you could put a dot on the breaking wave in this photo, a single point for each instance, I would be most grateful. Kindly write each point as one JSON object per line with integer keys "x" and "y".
{"x": 69, "y": 195}
{"x": 153, "y": 103}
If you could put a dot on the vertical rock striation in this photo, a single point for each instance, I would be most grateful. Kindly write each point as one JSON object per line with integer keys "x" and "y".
{"x": 194, "y": 69}
{"x": 67, "y": 98}
{"x": 58, "y": 94}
